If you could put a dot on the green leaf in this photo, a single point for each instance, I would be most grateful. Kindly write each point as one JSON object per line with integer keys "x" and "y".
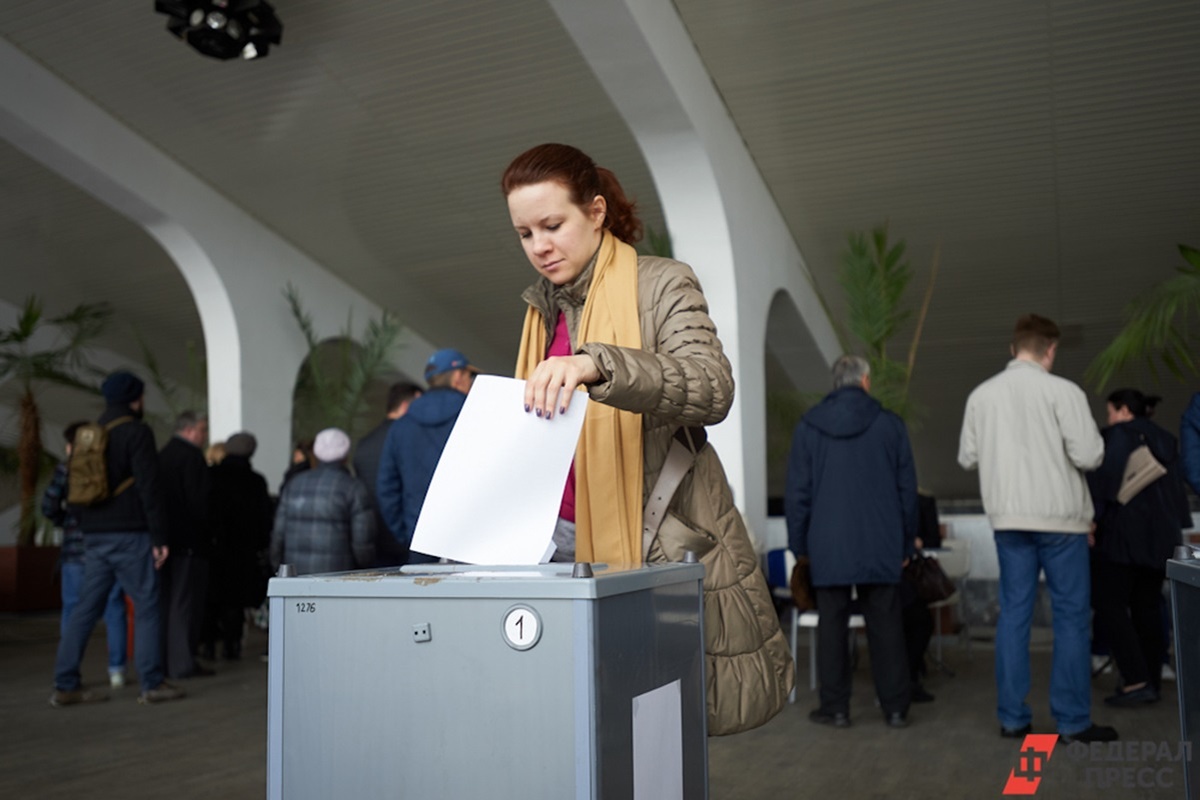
{"x": 1157, "y": 329}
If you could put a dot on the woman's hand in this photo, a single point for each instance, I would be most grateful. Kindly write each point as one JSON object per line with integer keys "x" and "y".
{"x": 550, "y": 387}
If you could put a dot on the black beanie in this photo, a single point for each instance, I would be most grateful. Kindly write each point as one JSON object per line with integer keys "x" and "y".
{"x": 122, "y": 388}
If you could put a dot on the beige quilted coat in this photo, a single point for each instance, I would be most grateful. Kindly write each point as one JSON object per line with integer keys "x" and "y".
{"x": 681, "y": 377}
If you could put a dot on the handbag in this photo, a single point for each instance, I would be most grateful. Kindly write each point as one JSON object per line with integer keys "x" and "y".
{"x": 1141, "y": 470}
{"x": 928, "y": 578}
{"x": 801, "y": 584}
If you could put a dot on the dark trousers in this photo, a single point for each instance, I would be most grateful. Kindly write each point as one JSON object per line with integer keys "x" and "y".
{"x": 918, "y": 630}
{"x": 1128, "y": 604}
{"x": 183, "y": 586}
{"x": 880, "y": 607}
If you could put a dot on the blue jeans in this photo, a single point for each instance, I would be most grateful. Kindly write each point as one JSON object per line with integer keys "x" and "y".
{"x": 116, "y": 624}
{"x": 1064, "y": 558}
{"x": 112, "y": 558}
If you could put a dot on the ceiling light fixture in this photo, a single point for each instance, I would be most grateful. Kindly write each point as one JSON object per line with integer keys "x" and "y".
{"x": 223, "y": 29}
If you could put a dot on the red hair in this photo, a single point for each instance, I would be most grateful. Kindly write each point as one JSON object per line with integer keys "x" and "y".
{"x": 584, "y": 180}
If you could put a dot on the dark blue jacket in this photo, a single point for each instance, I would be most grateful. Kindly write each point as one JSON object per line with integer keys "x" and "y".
{"x": 1189, "y": 443}
{"x": 410, "y": 455}
{"x": 1144, "y": 532}
{"x": 851, "y": 498}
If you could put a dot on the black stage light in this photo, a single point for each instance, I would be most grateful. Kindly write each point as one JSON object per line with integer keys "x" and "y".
{"x": 223, "y": 29}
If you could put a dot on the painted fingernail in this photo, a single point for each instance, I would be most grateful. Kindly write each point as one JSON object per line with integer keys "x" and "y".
{"x": 527, "y": 408}
{"x": 562, "y": 410}
{"x": 539, "y": 412}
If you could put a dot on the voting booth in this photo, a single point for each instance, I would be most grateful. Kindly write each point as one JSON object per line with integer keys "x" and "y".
{"x": 1183, "y": 572}
{"x": 551, "y": 681}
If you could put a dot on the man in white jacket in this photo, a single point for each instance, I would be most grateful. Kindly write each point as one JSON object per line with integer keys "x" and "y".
{"x": 1031, "y": 435}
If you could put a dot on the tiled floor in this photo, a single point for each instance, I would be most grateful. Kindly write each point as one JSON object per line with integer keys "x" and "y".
{"x": 213, "y": 744}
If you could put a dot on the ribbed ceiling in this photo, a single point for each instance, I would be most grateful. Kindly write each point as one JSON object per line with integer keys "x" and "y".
{"x": 1048, "y": 148}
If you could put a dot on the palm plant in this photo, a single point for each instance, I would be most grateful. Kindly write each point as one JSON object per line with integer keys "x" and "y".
{"x": 63, "y": 362}
{"x": 874, "y": 278}
{"x": 1157, "y": 328}
{"x": 335, "y": 377}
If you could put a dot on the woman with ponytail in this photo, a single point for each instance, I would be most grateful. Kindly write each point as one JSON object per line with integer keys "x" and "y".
{"x": 634, "y": 332}
{"x": 1133, "y": 541}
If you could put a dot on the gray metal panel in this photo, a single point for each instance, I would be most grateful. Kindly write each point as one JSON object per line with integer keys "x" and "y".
{"x": 366, "y": 709}
{"x": 275, "y": 660}
{"x": 546, "y": 580}
{"x": 1184, "y": 571}
{"x": 1185, "y": 610}
{"x": 647, "y": 640}
{"x": 358, "y": 707}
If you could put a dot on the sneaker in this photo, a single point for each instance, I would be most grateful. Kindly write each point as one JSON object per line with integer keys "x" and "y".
{"x": 1132, "y": 699}
{"x": 1096, "y": 733}
{"x": 896, "y": 719}
{"x": 1101, "y": 665}
{"x": 1168, "y": 672}
{"x": 75, "y": 697}
{"x": 161, "y": 694}
{"x": 116, "y": 679}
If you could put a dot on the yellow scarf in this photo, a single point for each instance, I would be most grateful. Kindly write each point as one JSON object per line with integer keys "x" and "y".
{"x": 608, "y": 460}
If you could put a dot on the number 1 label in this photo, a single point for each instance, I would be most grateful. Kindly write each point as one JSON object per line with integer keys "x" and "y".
{"x": 522, "y": 627}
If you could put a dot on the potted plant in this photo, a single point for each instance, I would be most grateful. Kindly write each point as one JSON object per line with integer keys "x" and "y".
{"x": 334, "y": 381}
{"x": 1156, "y": 328}
{"x": 36, "y": 351}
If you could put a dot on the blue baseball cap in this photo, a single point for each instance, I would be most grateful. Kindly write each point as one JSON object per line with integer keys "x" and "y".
{"x": 446, "y": 360}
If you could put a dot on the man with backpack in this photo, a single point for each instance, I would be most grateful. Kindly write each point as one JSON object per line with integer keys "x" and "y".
{"x": 120, "y": 507}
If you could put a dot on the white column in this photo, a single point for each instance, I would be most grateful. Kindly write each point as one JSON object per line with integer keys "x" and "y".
{"x": 722, "y": 219}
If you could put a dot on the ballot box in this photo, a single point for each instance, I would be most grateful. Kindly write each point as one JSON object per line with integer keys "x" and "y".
{"x": 451, "y": 682}
{"x": 1184, "y": 574}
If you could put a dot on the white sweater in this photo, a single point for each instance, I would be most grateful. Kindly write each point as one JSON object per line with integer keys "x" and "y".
{"x": 1032, "y": 436}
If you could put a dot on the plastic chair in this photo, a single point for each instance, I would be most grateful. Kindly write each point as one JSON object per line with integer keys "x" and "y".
{"x": 954, "y": 556}
{"x": 780, "y": 563}
{"x": 810, "y": 620}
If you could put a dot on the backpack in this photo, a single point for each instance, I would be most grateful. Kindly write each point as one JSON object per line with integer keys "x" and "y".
{"x": 87, "y": 470}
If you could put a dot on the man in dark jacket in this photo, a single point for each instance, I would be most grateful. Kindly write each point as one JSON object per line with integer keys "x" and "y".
{"x": 851, "y": 504}
{"x": 241, "y": 514}
{"x": 415, "y": 443}
{"x": 126, "y": 539}
{"x": 389, "y": 551}
{"x": 1189, "y": 443}
{"x": 325, "y": 522}
{"x": 184, "y": 579}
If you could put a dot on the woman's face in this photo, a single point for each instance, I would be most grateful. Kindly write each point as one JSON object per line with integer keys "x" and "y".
{"x": 559, "y": 237}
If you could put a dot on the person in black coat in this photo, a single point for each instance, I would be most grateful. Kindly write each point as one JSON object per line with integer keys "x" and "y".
{"x": 1132, "y": 543}
{"x": 389, "y": 551}
{"x": 851, "y": 507}
{"x": 183, "y": 581}
{"x": 242, "y": 514}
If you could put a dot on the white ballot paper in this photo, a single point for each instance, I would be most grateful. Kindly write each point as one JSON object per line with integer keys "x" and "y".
{"x": 496, "y": 492}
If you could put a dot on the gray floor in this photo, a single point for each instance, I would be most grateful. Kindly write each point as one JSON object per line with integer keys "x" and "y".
{"x": 213, "y": 744}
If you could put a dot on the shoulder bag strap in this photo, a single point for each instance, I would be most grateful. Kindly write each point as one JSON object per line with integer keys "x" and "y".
{"x": 684, "y": 446}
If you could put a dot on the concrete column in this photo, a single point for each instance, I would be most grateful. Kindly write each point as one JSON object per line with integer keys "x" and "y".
{"x": 722, "y": 220}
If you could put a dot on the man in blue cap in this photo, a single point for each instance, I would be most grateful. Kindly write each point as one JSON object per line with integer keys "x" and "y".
{"x": 126, "y": 541}
{"x": 415, "y": 443}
